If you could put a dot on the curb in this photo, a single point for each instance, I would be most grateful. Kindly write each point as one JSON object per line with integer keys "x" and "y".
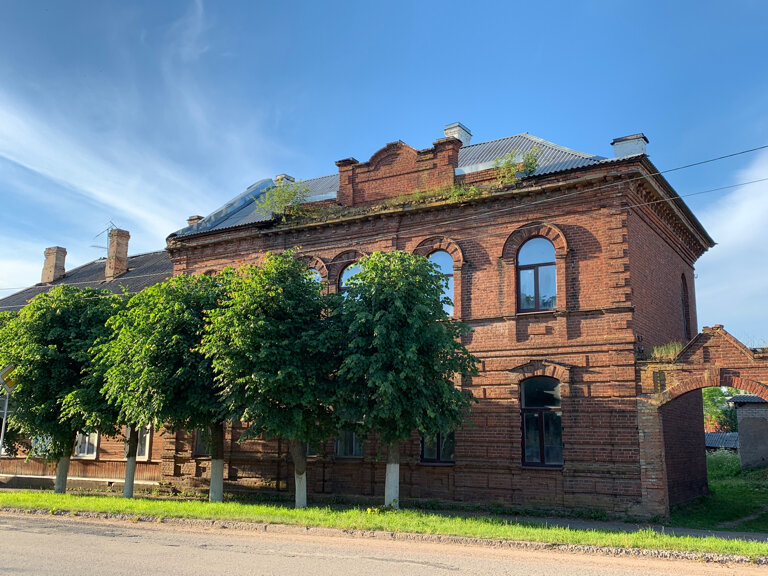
{"x": 398, "y": 536}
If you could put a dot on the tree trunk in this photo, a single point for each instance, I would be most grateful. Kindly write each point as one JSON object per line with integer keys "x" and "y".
{"x": 216, "y": 492}
{"x": 299, "y": 456}
{"x": 130, "y": 464}
{"x": 392, "y": 479}
{"x": 62, "y": 470}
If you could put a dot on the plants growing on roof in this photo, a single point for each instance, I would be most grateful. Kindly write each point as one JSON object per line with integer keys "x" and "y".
{"x": 513, "y": 163}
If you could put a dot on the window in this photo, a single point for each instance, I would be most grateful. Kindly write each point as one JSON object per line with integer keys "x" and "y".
{"x": 348, "y": 445}
{"x": 444, "y": 262}
{"x": 85, "y": 445}
{"x": 201, "y": 444}
{"x": 346, "y": 274}
{"x": 315, "y": 275}
{"x": 686, "y": 309}
{"x": 536, "y": 278}
{"x": 143, "y": 449}
{"x": 542, "y": 422}
{"x": 440, "y": 448}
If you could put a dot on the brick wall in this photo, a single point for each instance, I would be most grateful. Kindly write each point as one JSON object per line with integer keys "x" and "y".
{"x": 684, "y": 447}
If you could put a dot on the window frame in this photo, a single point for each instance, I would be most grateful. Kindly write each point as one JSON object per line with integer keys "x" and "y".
{"x": 92, "y": 438}
{"x": 148, "y": 436}
{"x": 438, "y": 446}
{"x": 536, "y": 269}
{"x": 355, "y": 444}
{"x": 201, "y": 449}
{"x": 540, "y": 412}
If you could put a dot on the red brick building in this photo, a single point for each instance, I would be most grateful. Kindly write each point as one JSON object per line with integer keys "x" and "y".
{"x": 568, "y": 277}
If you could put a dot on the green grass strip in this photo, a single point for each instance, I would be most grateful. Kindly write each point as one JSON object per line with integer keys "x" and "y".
{"x": 375, "y": 519}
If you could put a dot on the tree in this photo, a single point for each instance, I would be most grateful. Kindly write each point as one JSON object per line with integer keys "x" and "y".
{"x": 281, "y": 198}
{"x": 402, "y": 356}
{"x": 274, "y": 345}
{"x": 154, "y": 372}
{"x": 49, "y": 342}
{"x": 719, "y": 415}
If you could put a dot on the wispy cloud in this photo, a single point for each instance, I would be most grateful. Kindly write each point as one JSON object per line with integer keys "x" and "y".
{"x": 732, "y": 279}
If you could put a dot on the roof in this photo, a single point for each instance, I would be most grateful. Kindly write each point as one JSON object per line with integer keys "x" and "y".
{"x": 747, "y": 399}
{"x": 473, "y": 158}
{"x": 143, "y": 270}
{"x": 728, "y": 440}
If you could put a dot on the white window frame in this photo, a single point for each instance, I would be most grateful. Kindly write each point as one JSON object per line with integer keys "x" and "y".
{"x": 87, "y": 440}
{"x": 145, "y": 435}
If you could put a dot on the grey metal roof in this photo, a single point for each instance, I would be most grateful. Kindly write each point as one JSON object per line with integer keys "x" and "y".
{"x": 746, "y": 399}
{"x": 729, "y": 440}
{"x": 143, "y": 270}
{"x": 472, "y": 158}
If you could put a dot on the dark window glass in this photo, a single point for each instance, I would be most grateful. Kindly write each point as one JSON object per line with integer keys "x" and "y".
{"x": 440, "y": 448}
{"x": 348, "y": 445}
{"x": 536, "y": 275}
{"x": 201, "y": 444}
{"x": 542, "y": 422}
{"x": 445, "y": 263}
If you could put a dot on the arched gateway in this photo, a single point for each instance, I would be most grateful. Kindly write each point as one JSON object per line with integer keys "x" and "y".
{"x": 673, "y": 465}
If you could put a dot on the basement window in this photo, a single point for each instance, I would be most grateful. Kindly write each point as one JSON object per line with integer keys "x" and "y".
{"x": 542, "y": 422}
{"x": 440, "y": 449}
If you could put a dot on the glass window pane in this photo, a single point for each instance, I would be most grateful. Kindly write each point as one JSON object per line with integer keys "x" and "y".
{"x": 443, "y": 261}
{"x": 448, "y": 447}
{"x": 527, "y": 294}
{"x": 553, "y": 438}
{"x": 541, "y": 392}
{"x": 347, "y": 445}
{"x": 347, "y": 273}
{"x": 531, "y": 439}
{"x": 547, "y": 287}
{"x": 315, "y": 275}
{"x": 430, "y": 448}
{"x": 536, "y": 251}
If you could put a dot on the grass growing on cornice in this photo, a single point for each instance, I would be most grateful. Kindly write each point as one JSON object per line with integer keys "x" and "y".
{"x": 413, "y": 521}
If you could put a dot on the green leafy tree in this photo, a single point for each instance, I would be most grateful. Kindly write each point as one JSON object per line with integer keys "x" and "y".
{"x": 49, "y": 342}
{"x": 153, "y": 370}
{"x": 10, "y": 440}
{"x": 402, "y": 356}
{"x": 513, "y": 163}
{"x": 281, "y": 198}
{"x": 274, "y": 345}
{"x": 719, "y": 415}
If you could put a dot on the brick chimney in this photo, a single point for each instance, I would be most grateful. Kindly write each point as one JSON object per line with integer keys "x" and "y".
{"x": 53, "y": 269}
{"x": 629, "y": 145}
{"x": 192, "y": 220}
{"x": 117, "y": 255}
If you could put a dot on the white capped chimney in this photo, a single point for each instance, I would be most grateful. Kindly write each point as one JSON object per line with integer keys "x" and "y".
{"x": 458, "y": 130}
{"x": 117, "y": 254}
{"x": 53, "y": 268}
{"x": 629, "y": 145}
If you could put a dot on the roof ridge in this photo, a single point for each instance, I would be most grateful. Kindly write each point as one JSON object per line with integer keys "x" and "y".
{"x": 494, "y": 140}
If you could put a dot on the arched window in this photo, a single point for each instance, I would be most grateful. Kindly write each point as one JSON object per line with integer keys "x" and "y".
{"x": 444, "y": 262}
{"x": 316, "y": 276}
{"x": 536, "y": 277}
{"x": 346, "y": 274}
{"x": 542, "y": 422}
{"x": 686, "y": 308}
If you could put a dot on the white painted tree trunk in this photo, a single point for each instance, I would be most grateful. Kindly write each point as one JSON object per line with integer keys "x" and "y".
{"x": 62, "y": 470}
{"x": 392, "y": 478}
{"x": 130, "y": 464}
{"x": 299, "y": 456}
{"x": 216, "y": 492}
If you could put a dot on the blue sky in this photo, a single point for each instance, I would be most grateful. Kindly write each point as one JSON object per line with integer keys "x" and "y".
{"x": 143, "y": 113}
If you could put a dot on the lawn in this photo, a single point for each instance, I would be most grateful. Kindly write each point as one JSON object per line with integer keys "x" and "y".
{"x": 738, "y": 500}
{"x": 415, "y": 521}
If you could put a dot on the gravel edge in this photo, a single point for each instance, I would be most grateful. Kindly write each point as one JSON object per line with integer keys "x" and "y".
{"x": 402, "y": 536}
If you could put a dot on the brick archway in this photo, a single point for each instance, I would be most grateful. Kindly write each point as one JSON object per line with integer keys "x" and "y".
{"x": 315, "y": 263}
{"x": 531, "y": 230}
{"x": 560, "y": 372}
{"x": 434, "y": 243}
{"x": 709, "y": 379}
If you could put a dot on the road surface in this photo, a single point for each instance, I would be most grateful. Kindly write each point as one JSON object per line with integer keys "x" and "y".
{"x": 62, "y": 546}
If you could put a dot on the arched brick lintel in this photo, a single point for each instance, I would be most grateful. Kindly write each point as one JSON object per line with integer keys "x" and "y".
{"x": 341, "y": 261}
{"x": 560, "y": 372}
{"x": 531, "y": 230}
{"x": 316, "y": 263}
{"x": 708, "y": 380}
{"x": 435, "y": 243}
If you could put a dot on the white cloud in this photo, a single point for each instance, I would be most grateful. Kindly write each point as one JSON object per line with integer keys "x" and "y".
{"x": 732, "y": 282}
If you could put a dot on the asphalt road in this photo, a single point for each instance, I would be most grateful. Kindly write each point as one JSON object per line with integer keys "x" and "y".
{"x": 67, "y": 547}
